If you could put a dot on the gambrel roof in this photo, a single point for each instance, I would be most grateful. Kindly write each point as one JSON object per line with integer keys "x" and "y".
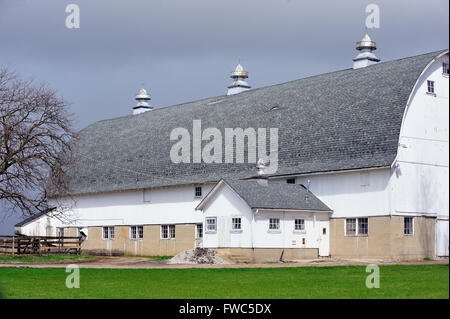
{"x": 343, "y": 120}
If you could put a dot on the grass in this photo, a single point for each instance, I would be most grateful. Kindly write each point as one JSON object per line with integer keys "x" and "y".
{"x": 42, "y": 258}
{"x": 399, "y": 281}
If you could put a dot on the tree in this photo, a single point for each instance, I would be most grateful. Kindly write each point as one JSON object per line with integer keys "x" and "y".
{"x": 35, "y": 134}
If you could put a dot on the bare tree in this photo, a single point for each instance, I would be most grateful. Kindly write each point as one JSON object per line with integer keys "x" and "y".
{"x": 35, "y": 131}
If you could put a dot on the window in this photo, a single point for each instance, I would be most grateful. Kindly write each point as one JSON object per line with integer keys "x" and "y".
{"x": 199, "y": 231}
{"x": 350, "y": 226}
{"x": 236, "y": 223}
{"x": 299, "y": 224}
{"x": 445, "y": 68}
{"x": 430, "y": 86}
{"x": 60, "y": 232}
{"x": 137, "y": 232}
{"x": 363, "y": 226}
{"x": 133, "y": 232}
{"x": 274, "y": 224}
{"x": 168, "y": 231}
{"x": 357, "y": 226}
{"x": 108, "y": 232}
{"x": 290, "y": 181}
{"x": 211, "y": 224}
{"x": 408, "y": 226}
{"x": 198, "y": 191}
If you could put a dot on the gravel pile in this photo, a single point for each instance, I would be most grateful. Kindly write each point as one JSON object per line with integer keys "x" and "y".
{"x": 197, "y": 256}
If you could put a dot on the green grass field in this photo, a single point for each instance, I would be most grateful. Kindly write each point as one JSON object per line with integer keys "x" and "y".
{"x": 424, "y": 281}
{"x": 42, "y": 259}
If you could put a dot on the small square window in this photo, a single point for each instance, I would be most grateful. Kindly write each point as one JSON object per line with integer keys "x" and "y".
{"x": 108, "y": 232}
{"x": 211, "y": 224}
{"x": 167, "y": 231}
{"x": 60, "y": 232}
{"x": 430, "y": 86}
{"x": 445, "y": 68}
{"x": 198, "y": 191}
{"x": 408, "y": 228}
{"x": 290, "y": 181}
{"x": 299, "y": 224}
{"x": 274, "y": 224}
{"x": 236, "y": 223}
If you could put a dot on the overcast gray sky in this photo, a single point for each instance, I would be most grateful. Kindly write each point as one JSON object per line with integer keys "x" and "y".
{"x": 184, "y": 50}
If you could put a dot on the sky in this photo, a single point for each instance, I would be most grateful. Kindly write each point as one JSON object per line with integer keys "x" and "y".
{"x": 185, "y": 50}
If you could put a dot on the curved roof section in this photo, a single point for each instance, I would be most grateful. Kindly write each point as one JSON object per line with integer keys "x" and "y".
{"x": 344, "y": 120}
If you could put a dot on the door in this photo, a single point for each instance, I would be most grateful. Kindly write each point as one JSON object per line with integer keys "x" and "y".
{"x": 442, "y": 238}
{"x": 324, "y": 238}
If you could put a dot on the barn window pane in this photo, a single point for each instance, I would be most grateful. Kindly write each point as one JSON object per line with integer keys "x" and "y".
{"x": 141, "y": 232}
{"x": 363, "y": 226}
{"x": 408, "y": 226}
{"x": 236, "y": 223}
{"x": 274, "y": 223}
{"x": 299, "y": 224}
{"x": 350, "y": 226}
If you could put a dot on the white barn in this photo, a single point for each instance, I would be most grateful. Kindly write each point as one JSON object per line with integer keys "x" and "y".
{"x": 369, "y": 146}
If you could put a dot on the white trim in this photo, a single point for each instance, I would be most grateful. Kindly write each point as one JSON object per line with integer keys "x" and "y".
{"x": 206, "y": 230}
{"x": 357, "y": 234}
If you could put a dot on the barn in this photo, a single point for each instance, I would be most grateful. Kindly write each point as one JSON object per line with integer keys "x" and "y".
{"x": 361, "y": 169}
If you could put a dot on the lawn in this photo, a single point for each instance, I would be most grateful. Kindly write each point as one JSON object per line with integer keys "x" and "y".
{"x": 424, "y": 281}
{"x": 42, "y": 259}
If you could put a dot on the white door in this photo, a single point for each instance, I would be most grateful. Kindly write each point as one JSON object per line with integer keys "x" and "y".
{"x": 324, "y": 238}
{"x": 442, "y": 238}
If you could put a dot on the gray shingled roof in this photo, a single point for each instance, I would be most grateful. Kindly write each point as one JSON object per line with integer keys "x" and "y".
{"x": 277, "y": 195}
{"x": 343, "y": 120}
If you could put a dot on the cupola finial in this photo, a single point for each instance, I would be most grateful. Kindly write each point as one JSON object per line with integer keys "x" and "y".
{"x": 366, "y": 57}
{"x": 142, "y": 105}
{"x": 239, "y": 76}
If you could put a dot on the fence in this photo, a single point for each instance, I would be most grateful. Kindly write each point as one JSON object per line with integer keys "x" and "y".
{"x": 40, "y": 245}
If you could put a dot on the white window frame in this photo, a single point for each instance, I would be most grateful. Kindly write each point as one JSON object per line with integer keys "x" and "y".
{"x": 357, "y": 223}
{"x": 195, "y": 191}
{"x": 137, "y": 232}
{"x": 210, "y": 231}
{"x": 110, "y": 231}
{"x": 274, "y": 230}
{"x": 412, "y": 225}
{"x": 233, "y": 224}
{"x": 170, "y": 234}
{"x": 197, "y": 232}
{"x": 302, "y": 231}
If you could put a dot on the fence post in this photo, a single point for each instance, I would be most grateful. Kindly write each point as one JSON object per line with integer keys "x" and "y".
{"x": 13, "y": 246}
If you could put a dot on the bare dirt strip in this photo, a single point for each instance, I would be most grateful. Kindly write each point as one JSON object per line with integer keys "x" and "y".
{"x": 146, "y": 263}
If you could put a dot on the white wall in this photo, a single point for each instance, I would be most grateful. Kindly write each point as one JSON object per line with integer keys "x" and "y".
{"x": 352, "y": 194}
{"x": 170, "y": 205}
{"x": 420, "y": 179}
{"x": 226, "y": 204}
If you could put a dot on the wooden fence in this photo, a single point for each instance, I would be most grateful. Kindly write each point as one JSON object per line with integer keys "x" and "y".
{"x": 40, "y": 245}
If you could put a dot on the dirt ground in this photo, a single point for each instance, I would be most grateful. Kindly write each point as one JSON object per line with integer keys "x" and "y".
{"x": 146, "y": 263}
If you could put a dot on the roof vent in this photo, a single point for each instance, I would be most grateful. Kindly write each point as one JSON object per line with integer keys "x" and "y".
{"x": 142, "y": 105}
{"x": 239, "y": 84}
{"x": 366, "y": 56}
{"x": 262, "y": 177}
